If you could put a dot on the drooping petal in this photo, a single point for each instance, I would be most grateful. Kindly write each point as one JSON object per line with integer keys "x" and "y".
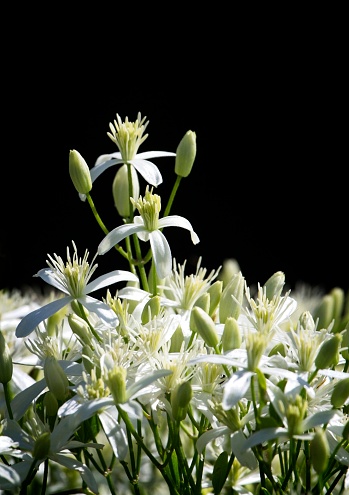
{"x": 32, "y": 320}
{"x": 161, "y": 253}
{"x": 178, "y": 221}
{"x": 72, "y": 463}
{"x": 102, "y": 310}
{"x": 114, "y": 432}
{"x": 210, "y": 435}
{"x": 117, "y": 235}
{"x": 23, "y": 399}
{"x": 109, "y": 279}
{"x": 235, "y": 388}
{"x": 148, "y": 170}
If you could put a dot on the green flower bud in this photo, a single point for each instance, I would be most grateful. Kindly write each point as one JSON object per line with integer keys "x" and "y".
{"x": 345, "y": 343}
{"x": 319, "y": 451}
{"x": 180, "y": 399}
{"x": 345, "y": 432}
{"x": 231, "y": 338}
{"x": 79, "y": 172}
{"x": 54, "y": 320}
{"x": 328, "y": 354}
{"x": 274, "y": 285}
{"x": 232, "y": 297}
{"x": 185, "y": 154}
{"x": 80, "y": 328}
{"x": 6, "y": 365}
{"x": 202, "y": 302}
{"x": 151, "y": 309}
{"x": 340, "y": 393}
{"x": 230, "y": 268}
{"x": 215, "y": 292}
{"x": 42, "y": 446}
{"x": 56, "y": 380}
{"x": 324, "y": 311}
{"x": 205, "y": 326}
{"x": 87, "y": 360}
{"x": 76, "y": 308}
{"x": 116, "y": 381}
{"x": 177, "y": 340}
{"x": 121, "y": 191}
{"x": 50, "y": 403}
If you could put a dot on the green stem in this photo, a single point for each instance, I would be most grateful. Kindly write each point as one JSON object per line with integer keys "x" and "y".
{"x": 172, "y": 196}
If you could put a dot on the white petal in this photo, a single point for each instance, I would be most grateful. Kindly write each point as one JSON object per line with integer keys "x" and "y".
{"x": 133, "y": 390}
{"x": 21, "y": 402}
{"x": 102, "y": 310}
{"x": 210, "y": 435}
{"x": 265, "y": 435}
{"x": 111, "y": 278}
{"x": 161, "y": 253}
{"x": 9, "y": 478}
{"x": 46, "y": 274}
{"x": 97, "y": 170}
{"x": 153, "y": 154}
{"x": 235, "y": 388}
{"x": 178, "y": 221}
{"x": 72, "y": 463}
{"x": 117, "y": 235}
{"x": 32, "y": 320}
{"x": 114, "y": 432}
{"x": 148, "y": 170}
{"x": 103, "y": 158}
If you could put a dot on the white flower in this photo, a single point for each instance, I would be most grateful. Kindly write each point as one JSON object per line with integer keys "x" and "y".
{"x": 128, "y": 136}
{"x": 148, "y": 227}
{"x": 72, "y": 278}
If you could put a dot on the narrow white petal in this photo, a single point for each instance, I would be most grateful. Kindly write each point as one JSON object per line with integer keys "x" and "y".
{"x": 161, "y": 253}
{"x": 148, "y": 170}
{"x": 32, "y": 320}
{"x": 210, "y": 435}
{"x": 22, "y": 400}
{"x": 111, "y": 278}
{"x": 235, "y": 388}
{"x": 117, "y": 235}
{"x": 102, "y": 310}
{"x": 178, "y": 221}
{"x": 103, "y": 158}
{"x": 153, "y": 154}
{"x": 114, "y": 432}
{"x": 72, "y": 463}
{"x": 97, "y": 170}
{"x": 46, "y": 274}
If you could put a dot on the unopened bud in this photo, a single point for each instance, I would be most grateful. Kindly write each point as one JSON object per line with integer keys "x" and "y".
{"x": 54, "y": 320}
{"x": 80, "y": 328}
{"x": 230, "y": 268}
{"x": 50, "y": 403}
{"x": 205, "y": 326}
{"x": 180, "y": 399}
{"x": 6, "y": 365}
{"x": 116, "y": 381}
{"x": 202, "y": 302}
{"x": 121, "y": 190}
{"x": 340, "y": 393}
{"x": 79, "y": 172}
{"x": 42, "y": 446}
{"x": 319, "y": 451}
{"x": 324, "y": 311}
{"x": 56, "y": 380}
{"x": 215, "y": 292}
{"x": 232, "y": 297}
{"x": 231, "y": 338}
{"x": 185, "y": 154}
{"x": 274, "y": 285}
{"x": 151, "y": 309}
{"x": 328, "y": 354}
{"x": 345, "y": 342}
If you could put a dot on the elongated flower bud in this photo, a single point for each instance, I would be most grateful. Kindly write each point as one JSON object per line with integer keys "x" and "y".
{"x": 345, "y": 342}
{"x": 324, "y": 311}
{"x": 6, "y": 365}
{"x": 274, "y": 285}
{"x": 185, "y": 154}
{"x": 328, "y": 354}
{"x": 151, "y": 309}
{"x": 231, "y": 299}
{"x": 215, "y": 292}
{"x": 121, "y": 190}
{"x": 205, "y": 326}
{"x": 50, "y": 403}
{"x": 231, "y": 338}
{"x": 340, "y": 393}
{"x": 180, "y": 399}
{"x": 79, "y": 172}
{"x": 56, "y": 380}
{"x": 80, "y": 328}
{"x": 319, "y": 451}
{"x": 116, "y": 381}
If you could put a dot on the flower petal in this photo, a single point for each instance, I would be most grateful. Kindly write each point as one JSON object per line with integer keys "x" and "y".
{"x": 114, "y": 432}
{"x": 47, "y": 275}
{"x": 111, "y": 278}
{"x": 102, "y": 310}
{"x": 153, "y": 154}
{"x": 161, "y": 253}
{"x": 148, "y": 170}
{"x": 32, "y": 320}
{"x": 178, "y": 221}
{"x": 117, "y": 235}
{"x": 235, "y": 388}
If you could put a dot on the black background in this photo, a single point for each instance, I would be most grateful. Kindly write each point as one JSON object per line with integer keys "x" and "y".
{"x": 269, "y": 108}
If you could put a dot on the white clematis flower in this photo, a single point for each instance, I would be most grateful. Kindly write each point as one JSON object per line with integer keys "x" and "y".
{"x": 72, "y": 278}
{"x": 148, "y": 228}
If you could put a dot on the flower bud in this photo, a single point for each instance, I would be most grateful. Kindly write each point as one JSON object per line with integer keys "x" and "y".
{"x": 6, "y": 365}
{"x": 121, "y": 190}
{"x": 42, "y": 446}
{"x": 56, "y": 380}
{"x": 79, "y": 172}
{"x": 185, "y": 154}
{"x": 116, "y": 381}
{"x": 205, "y": 326}
{"x": 180, "y": 399}
{"x": 151, "y": 309}
{"x": 215, "y": 292}
{"x": 345, "y": 432}
{"x": 80, "y": 328}
{"x": 345, "y": 342}
{"x": 202, "y": 302}
{"x": 340, "y": 393}
{"x": 231, "y": 338}
{"x": 54, "y": 320}
{"x": 274, "y": 285}
{"x": 319, "y": 451}
{"x": 324, "y": 311}
{"x": 230, "y": 268}
{"x": 328, "y": 354}
{"x": 50, "y": 403}
{"x": 231, "y": 299}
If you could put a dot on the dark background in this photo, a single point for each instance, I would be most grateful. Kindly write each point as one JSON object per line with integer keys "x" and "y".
{"x": 268, "y": 186}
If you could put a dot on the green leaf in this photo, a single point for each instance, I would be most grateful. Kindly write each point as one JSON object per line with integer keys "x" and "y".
{"x": 220, "y": 472}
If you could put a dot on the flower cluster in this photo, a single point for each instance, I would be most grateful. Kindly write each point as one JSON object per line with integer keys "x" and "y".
{"x": 173, "y": 383}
